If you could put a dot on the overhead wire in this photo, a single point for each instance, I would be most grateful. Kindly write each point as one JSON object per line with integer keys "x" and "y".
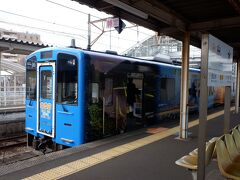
{"x": 62, "y": 25}
{"x": 67, "y": 34}
{"x": 57, "y": 32}
{"x": 67, "y": 7}
{"x": 40, "y": 20}
{"x": 43, "y": 29}
{"x": 70, "y": 8}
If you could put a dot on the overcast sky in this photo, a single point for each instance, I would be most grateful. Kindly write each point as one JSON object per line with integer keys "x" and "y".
{"x": 57, "y": 24}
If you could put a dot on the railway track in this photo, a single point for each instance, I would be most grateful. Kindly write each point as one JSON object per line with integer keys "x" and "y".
{"x": 13, "y": 149}
{"x": 13, "y": 141}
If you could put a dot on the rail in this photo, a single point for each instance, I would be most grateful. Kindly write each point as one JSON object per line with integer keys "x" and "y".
{"x": 13, "y": 141}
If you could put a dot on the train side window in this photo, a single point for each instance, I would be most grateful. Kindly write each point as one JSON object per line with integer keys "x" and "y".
{"x": 167, "y": 95}
{"x": 31, "y": 78}
{"x": 95, "y": 92}
{"x": 67, "y": 79}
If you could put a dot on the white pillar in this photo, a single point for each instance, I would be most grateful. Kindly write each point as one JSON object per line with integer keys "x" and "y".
{"x": 227, "y": 106}
{"x": 183, "y": 134}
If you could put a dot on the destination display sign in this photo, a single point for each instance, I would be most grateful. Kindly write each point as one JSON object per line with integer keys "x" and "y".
{"x": 220, "y": 58}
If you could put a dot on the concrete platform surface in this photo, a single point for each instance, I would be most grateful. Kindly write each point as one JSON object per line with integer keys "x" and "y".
{"x": 145, "y": 154}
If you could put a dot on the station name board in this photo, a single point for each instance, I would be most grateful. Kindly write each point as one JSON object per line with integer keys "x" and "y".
{"x": 220, "y": 58}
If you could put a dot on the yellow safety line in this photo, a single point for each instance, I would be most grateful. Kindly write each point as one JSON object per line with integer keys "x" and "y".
{"x": 78, "y": 165}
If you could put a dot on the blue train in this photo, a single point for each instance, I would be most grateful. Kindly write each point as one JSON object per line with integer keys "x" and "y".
{"x": 74, "y": 96}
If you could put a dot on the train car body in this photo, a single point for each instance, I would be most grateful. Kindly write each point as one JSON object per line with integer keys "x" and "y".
{"x": 74, "y": 96}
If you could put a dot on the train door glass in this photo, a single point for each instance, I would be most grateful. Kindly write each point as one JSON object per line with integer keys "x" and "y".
{"x": 46, "y": 99}
{"x": 134, "y": 94}
{"x": 137, "y": 107}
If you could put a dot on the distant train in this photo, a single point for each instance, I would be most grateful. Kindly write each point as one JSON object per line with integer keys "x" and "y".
{"x": 74, "y": 96}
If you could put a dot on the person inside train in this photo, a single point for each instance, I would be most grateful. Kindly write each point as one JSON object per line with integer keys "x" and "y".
{"x": 193, "y": 94}
{"x": 132, "y": 92}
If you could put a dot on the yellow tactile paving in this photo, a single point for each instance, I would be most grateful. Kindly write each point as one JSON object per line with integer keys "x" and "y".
{"x": 129, "y": 146}
{"x": 144, "y": 140}
{"x": 78, "y": 165}
{"x": 103, "y": 156}
{"x": 89, "y": 161}
{"x": 35, "y": 177}
{"x": 139, "y": 143}
{"x": 136, "y": 144}
{"x": 57, "y": 172}
{"x": 121, "y": 149}
{"x": 54, "y": 173}
{"x": 112, "y": 153}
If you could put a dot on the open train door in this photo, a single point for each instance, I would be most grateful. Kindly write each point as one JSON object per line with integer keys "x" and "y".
{"x": 46, "y": 99}
{"x": 135, "y": 98}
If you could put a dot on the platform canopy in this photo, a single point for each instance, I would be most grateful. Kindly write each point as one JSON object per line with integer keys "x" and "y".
{"x": 221, "y": 18}
{"x": 16, "y": 46}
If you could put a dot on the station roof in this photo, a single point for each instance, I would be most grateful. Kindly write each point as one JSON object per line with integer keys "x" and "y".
{"x": 221, "y": 18}
{"x": 16, "y": 46}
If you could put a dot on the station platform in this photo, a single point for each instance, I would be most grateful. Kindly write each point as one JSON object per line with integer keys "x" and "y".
{"x": 148, "y": 153}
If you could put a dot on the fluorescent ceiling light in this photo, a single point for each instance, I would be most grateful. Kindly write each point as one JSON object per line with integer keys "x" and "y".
{"x": 127, "y": 8}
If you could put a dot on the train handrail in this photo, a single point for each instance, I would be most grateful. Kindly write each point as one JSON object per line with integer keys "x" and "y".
{"x": 29, "y": 129}
{"x": 103, "y": 115}
{"x": 28, "y": 106}
{"x": 64, "y": 112}
{"x": 67, "y": 140}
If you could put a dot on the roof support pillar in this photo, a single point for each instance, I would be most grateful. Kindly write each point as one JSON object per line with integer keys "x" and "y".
{"x": 237, "y": 88}
{"x": 227, "y": 102}
{"x": 184, "y": 88}
{"x": 203, "y": 108}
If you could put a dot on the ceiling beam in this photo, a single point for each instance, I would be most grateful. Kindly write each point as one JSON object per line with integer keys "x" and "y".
{"x": 160, "y": 5}
{"x": 127, "y": 8}
{"x": 161, "y": 14}
{"x": 236, "y": 44}
{"x": 132, "y": 18}
{"x": 215, "y": 24}
{"x": 235, "y": 4}
{"x": 168, "y": 31}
